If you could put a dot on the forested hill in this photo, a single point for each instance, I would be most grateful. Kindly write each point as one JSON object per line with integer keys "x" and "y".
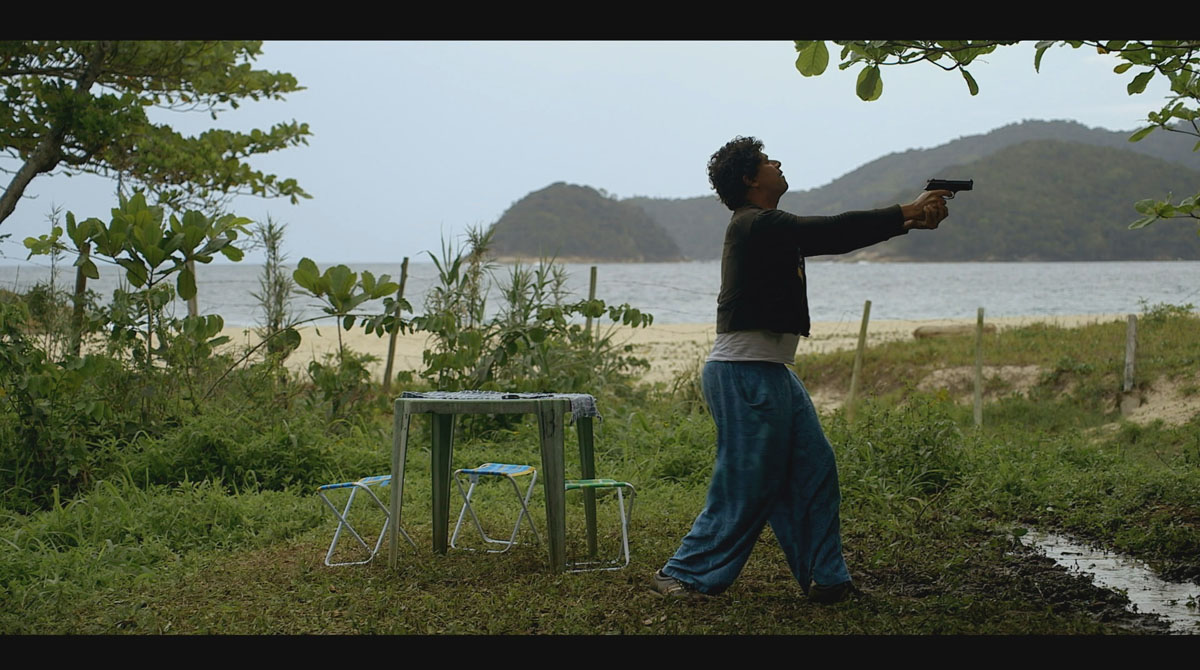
{"x": 1088, "y": 211}
{"x": 1056, "y": 201}
{"x": 569, "y": 221}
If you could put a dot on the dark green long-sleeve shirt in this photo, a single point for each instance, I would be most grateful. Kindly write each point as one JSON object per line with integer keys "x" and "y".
{"x": 763, "y": 286}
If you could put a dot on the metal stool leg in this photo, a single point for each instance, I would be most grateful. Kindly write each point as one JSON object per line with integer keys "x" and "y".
{"x": 344, "y": 522}
{"x": 624, "y": 515}
{"x": 474, "y": 478}
{"x": 524, "y": 509}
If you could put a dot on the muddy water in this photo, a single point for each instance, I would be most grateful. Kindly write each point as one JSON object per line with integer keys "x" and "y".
{"x": 1178, "y": 604}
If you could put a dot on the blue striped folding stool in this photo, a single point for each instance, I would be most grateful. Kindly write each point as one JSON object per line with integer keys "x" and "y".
{"x": 510, "y": 472}
{"x": 622, "y": 558}
{"x": 363, "y": 484}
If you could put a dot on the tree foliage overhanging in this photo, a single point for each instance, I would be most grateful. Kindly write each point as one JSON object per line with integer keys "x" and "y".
{"x": 1176, "y": 60}
{"x": 80, "y": 107}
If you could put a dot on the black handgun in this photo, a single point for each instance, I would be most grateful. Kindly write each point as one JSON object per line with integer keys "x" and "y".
{"x": 952, "y": 185}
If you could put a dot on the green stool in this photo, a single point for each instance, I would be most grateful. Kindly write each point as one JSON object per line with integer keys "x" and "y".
{"x": 620, "y": 487}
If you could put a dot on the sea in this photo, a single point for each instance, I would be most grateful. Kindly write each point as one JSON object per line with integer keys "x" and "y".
{"x": 687, "y": 292}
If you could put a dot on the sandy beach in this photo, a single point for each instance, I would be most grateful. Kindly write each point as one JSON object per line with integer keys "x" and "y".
{"x": 670, "y": 348}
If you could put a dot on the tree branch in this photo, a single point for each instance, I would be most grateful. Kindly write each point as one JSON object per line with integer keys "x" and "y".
{"x": 48, "y": 153}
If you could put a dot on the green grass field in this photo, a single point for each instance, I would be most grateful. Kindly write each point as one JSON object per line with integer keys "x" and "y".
{"x": 214, "y": 526}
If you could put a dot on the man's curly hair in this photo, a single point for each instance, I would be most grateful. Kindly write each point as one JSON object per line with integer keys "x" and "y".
{"x": 739, "y": 158}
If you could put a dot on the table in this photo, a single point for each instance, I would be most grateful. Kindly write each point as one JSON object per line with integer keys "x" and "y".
{"x": 551, "y": 410}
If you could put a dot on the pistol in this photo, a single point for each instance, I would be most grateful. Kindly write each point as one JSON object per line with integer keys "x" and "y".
{"x": 952, "y": 185}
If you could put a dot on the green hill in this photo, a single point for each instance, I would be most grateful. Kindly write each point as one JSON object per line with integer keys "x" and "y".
{"x": 570, "y": 221}
{"x": 698, "y": 224}
{"x": 1055, "y": 201}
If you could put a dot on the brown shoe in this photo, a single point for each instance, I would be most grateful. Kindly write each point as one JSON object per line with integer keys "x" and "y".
{"x": 828, "y": 595}
{"x": 673, "y": 589}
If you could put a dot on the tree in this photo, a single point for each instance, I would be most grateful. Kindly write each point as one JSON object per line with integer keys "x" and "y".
{"x": 1178, "y": 61}
{"x": 80, "y": 107}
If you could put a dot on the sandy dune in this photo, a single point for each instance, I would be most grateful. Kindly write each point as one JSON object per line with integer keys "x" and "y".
{"x": 670, "y": 348}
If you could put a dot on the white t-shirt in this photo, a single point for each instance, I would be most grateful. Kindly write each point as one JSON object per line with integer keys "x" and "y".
{"x": 755, "y": 345}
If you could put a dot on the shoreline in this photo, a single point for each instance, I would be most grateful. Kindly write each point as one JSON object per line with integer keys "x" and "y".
{"x": 671, "y": 348}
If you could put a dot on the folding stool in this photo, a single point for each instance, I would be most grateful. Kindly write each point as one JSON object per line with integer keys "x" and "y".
{"x": 495, "y": 470}
{"x": 620, "y": 487}
{"x": 363, "y": 484}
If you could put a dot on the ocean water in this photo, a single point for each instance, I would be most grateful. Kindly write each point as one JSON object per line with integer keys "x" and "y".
{"x": 687, "y": 292}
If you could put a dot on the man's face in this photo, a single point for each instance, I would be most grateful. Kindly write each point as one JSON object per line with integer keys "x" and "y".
{"x": 770, "y": 177}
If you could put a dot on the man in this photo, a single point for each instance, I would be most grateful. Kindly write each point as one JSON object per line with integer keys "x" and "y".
{"x": 774, "y": 464}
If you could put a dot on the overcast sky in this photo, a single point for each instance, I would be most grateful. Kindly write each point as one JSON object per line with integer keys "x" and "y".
{"x": 413, "y": 141}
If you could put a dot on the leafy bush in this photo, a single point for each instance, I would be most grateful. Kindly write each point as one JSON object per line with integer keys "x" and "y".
{"x": 52, "y": 415}
{"x": 343, "y": 382}
{"x": 253, "y": 449}
{"x": 532, "y": 344}
{"x": 914, "y": 449}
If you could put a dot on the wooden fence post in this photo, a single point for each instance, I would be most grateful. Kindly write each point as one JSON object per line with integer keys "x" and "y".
{"x": 1129, "y": 401}
{"x": 591, "y": 296}
{"x": 979, "y": 369}
{"x": 851, "y": 401}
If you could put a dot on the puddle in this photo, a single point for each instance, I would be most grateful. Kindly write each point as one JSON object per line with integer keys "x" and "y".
{"x": 1146, "y": 592}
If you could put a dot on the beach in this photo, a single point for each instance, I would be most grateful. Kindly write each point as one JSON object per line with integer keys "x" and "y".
{"x": 670, "y": 348}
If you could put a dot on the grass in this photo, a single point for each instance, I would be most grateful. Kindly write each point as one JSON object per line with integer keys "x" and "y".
{"x": 932, "y": 509}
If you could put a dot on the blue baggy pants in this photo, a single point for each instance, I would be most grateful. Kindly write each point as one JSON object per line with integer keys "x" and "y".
{"x": 774, "y": 464}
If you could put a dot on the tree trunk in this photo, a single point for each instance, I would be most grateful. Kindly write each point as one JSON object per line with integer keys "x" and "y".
{"x": 77, "y": 311}
{"x": 48, "y": 153}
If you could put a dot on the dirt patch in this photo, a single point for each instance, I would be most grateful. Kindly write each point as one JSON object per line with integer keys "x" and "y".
{"x": 998, "y": 380}
{"x": 959, "y": 382}
{"x": 1174, "y": 401}
{"x": 1043, "y": 581}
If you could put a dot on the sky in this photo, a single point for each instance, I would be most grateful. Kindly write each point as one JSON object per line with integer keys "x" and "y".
{"x": 413, "y": 142}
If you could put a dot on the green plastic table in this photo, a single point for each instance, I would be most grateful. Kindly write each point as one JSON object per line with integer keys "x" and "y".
{"x": 552, "y": 414}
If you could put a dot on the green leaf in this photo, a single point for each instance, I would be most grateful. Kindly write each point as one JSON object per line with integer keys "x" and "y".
{"x": 1139, "y": 82}
{"x": 340, "y": 280}
{"x": 1114, "y": 45}
{"x": 289, "y": 339}
{"x": 385, "y": 289}
{"x": 1146, "y": 206}
{"x": 186, "y": 282}
{"x": 1141, "y": 133}
{"x": 308, "y": 276}
{"x": 348, "y": 322}
{"x": 134, "y": 270}
{"x": 870, "y": 84}
{"x": 89, "y": 269}
{"x": 1037, "y": 56}
{"x": 971, "y": 85}
{"x": 1120, "y": 69}
{"x": 232, "y": 253}
{"x": 813, "y": 59}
